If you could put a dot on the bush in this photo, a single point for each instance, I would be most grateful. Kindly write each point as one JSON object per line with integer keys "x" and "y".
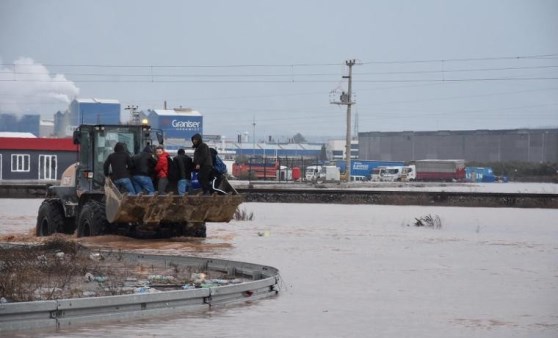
{"x": 429, "y": 221}
{"x": 243, "y": 215}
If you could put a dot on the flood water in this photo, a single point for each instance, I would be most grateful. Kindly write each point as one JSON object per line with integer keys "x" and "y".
{"x": 360, "y": 271}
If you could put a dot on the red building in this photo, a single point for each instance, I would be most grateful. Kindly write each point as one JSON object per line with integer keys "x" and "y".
{"x": 43, "y": 159}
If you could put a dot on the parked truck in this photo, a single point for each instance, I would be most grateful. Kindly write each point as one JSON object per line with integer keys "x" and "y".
{"x": 329, "y": 173}
{"x": 394, "y": 174}
{"x": 482, "y": 174}
{"x": 361, "y": 170}
{"x": 387, "y": 174}
{"x": 440, "y": 170}
{"x": 87, "y": 202}
{"x": 312, "y": 172}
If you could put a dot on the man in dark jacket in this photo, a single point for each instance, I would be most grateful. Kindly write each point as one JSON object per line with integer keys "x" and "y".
{"x": 185, "y": 166}
{"x": 144, "y": 170}
{"x": 119, "y": 164}
{"x": 202, "y": 163}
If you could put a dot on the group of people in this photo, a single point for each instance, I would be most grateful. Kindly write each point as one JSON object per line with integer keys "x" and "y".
{"x": 142, "y": 172}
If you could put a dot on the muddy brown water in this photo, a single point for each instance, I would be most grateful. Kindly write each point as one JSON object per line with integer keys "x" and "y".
{"x": 358, "y": 271}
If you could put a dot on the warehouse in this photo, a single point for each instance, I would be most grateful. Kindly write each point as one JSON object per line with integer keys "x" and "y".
{"x": 523, "y": 145}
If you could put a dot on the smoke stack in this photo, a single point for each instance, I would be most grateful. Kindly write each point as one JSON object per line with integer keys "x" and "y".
{"x": 165, "y": 105}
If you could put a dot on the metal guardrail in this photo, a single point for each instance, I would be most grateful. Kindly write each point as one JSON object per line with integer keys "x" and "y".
{"x": 291, "y": 193}
{"x": 70, "y": 312}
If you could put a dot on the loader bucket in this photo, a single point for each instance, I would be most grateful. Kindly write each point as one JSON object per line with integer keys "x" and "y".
{"x": 171, "y": 208}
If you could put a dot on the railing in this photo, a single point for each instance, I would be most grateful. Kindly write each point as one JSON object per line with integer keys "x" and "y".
{"x": 69, "y": 312}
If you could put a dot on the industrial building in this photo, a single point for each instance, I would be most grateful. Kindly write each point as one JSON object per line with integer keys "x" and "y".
{"x": 524, "y": 145}
{"x": 86, "y": 111}
{"x": 28, "y": 123}
{"x": 178, "y": 124}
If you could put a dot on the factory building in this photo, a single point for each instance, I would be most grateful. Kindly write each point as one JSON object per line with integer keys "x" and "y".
{"x": 86, "y": 111}
{"x": 28, "y": 123}
{"x": 178, "y": 125}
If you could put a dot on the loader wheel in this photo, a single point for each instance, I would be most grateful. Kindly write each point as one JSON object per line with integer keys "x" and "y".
{"x": 194, "y": 229}
{"x": 92, "y": 220}
{"x": 50, "y": 218}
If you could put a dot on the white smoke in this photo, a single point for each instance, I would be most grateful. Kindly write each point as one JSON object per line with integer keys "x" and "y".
{"x": 27, "y": 87}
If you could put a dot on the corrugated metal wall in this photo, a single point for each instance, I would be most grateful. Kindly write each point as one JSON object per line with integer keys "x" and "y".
{"x": 527, "y": 145}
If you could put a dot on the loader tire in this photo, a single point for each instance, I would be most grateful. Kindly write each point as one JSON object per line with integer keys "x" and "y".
{"x": 50, "y": 218}
{"x": 92, "y": 220}
{"x": 194, "y": 229}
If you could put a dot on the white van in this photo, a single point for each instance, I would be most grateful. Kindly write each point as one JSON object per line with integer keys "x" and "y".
{"x": 312, "y": 172}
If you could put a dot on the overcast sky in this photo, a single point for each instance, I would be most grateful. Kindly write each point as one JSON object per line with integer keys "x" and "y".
{"x": 421, "y": 65}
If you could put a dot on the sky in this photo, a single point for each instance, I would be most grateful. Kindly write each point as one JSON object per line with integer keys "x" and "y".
{"x": 273, "y": 68}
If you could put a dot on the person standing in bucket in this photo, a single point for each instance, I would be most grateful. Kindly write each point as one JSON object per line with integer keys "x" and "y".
{"x": 144, "y": 168}
{"x": 118, "y": 166}
{"x": 162, "y": 169}
{"x": 202, "y": 163}
{"x": 185, "y": 164}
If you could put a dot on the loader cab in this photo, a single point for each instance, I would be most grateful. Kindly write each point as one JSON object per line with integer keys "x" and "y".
{"x": 96, "y": 143}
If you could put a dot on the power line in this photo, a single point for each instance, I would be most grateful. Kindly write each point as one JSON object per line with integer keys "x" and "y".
{"x": 283, "y": 81}
{"x": 498, "y": 58}
{"x": 524, "y": 57}
{"x": 287, "y": 74}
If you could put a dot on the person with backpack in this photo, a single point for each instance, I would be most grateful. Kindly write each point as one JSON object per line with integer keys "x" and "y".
{"x": 202, "y": 163}
{"x": 184, "y": 166}
{"x": 219, "y": 168}
{"x": 162, "y": 169}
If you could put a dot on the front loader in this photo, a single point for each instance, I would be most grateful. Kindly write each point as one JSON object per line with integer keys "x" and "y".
{"x": 88, "y": 203}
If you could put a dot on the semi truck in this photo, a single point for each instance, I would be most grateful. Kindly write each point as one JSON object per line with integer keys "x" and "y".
{"x": 256, "y": 170}
{"x": 394, "y": 174}
{"x": 482, "y": 174}
{"x": 312, "y": 172}
{"x": 88, "y": 203}
{"x": 329, "y": 173}
{"x": 361, "y": 170}
{"x": 440, "y": 170}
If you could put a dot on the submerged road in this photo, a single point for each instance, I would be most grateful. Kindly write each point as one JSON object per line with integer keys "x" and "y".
{"x": 399, "y": 197}
{"x": 303, "y": 193}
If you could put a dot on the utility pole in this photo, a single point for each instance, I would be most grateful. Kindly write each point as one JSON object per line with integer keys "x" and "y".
{"x": 347, "y": 100}
{"x": 254, "y": 136}
{"x": 135, "y": 114}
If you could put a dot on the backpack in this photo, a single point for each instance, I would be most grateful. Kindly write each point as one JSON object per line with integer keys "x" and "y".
{"x": 173, "y": 175}
{"x": 219, "y": 166}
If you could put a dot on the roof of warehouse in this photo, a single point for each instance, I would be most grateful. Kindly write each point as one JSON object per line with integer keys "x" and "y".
{"x": 24, "y": 143}
{"x": 172, "y": 112}
{"x": 94, "y": 100}
{"x": 16, "y": 134}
